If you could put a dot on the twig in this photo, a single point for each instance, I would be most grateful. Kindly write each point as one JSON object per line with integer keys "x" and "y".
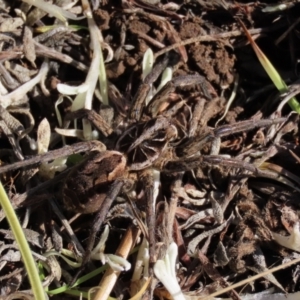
{"x": 209, "y": 38}
{"x": 250, "y": 279}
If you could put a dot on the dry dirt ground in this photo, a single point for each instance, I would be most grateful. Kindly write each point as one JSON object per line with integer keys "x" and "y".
{"x": 211, "y": 163}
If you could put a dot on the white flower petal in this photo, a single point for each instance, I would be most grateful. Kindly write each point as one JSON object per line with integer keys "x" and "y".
{"x": 169, "y": 282}
{"x": 117, "y": 263}
{"x": 100, "y": 247}
{"x": 166, "y": 77}
{"x": 172, "y": 253}
{"x": 148, "y": 61}
{"x": 66, "y": 89}
{"x": 43, "y": 136}
{"x": 292, "y": 241}
{"x": 164, "y": 270}
{"x": 70, "y": 132}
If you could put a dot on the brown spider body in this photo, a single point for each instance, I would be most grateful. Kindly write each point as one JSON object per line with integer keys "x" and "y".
{"x": 88, "y": 183}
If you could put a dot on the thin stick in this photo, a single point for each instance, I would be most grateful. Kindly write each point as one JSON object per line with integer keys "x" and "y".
{"x": 209, "y": 38}
{"x": 51, "y": 155}
{"x": 263, "y": 274}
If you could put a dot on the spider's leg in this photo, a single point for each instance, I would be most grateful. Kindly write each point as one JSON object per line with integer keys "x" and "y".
{"x": 98, "y": 221}
{"x": 51, "y": 155}
{"x": 180, "y": 81}
{"x": 139, "y": 99}
{"x": 196, "y": 161}
{"x": 151, "y": 182}
{"x": 139, "y": 102}
{"x": 214, "y": 136}
{"x": 93, "y": 117}
{"x": 226, "y": 130}
{"x": 196, "y": 116}
{"x": 160, "y": 123}
{"x": 228, "y": 162}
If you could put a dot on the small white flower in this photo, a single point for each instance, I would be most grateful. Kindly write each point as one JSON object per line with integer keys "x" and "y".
{"x": 117, "y": 263}
{"x": 292, "y": 241}
{"x": 164, "y": 270}
{"x": 66, "y": 89}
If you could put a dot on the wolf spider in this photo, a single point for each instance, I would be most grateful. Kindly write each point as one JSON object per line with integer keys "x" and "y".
{"x": 165, "y": 135}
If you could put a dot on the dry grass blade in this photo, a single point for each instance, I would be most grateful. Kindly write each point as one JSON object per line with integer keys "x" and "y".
{"x": 250, "y": 279}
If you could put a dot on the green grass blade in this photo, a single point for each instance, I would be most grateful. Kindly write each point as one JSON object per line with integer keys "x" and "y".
{"x": 271, "y": 71}
{"x": 24, "y": 248}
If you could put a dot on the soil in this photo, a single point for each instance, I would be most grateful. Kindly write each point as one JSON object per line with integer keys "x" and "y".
{"x": 223, "y": 206}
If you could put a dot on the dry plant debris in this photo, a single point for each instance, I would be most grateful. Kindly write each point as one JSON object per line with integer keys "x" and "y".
{"x": 102, "y": 153}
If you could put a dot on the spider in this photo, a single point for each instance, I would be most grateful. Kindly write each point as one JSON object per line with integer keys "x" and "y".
{"x": 166, "y": 135}
{"x": 168, "y": 139}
